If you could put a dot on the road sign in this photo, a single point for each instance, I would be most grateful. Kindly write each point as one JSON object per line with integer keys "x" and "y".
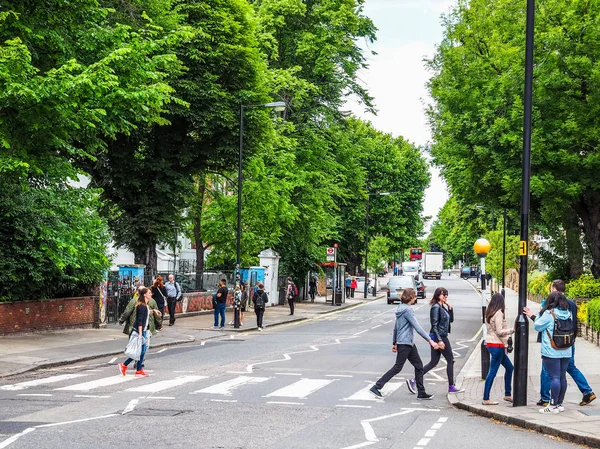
{"x": 523, "y": 248}
{"x": 330, "y": 251}
{"x": 330, "y": 258}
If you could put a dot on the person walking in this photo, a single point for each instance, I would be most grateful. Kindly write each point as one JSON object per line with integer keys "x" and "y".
{"x": 159, "y": 294}
{"x": 353, "y": 285}
{"x": 441, "y": 315}
{"x": 404, "y": 347}
{"x": 173, "y": 295}
{"x": 554, "y": 360}
{"x": 558, "y": 285}
{"x": 142, "y": 323}
{"x": 128, "y": 317}
{"x": 312, "y": 288}
{"x": 347, "y": 283}
{"x": 497, "y": 341}
{"x": 222, "y": 294}
{"x": 260, "y": 300}
{"x": 292, "y": 292}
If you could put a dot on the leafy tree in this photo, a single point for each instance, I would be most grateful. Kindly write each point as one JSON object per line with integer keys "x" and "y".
{"x": 379, "y": 247}
{"x": 493, "y": 261}
{"x": 477, "y": 116}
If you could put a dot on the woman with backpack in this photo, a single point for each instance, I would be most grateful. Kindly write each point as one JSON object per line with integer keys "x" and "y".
{"x": 441, "y": 315}
{"x": 556, "y": 325}
{"x": 497, "y": 342}
{"x": 260, "y": 299}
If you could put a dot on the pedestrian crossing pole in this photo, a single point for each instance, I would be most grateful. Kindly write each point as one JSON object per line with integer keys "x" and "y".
{"x": 482, "y": 248}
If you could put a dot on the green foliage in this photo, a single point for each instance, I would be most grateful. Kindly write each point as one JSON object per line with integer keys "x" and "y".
{"x": 539, "y": 284}
{"x": 379, "y": 247}
{"x": 593, "y": 317}
{"x": 583, "y": 312}
{"x": 493, "y": 261}
{"x": 52, "y": 241}
{"x": 585, "y": 286}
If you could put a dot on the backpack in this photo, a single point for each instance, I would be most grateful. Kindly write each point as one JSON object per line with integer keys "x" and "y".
{"x": 564, "y": 333}
{"x": 260, "y": 300}
{"x": 294, "y": 290}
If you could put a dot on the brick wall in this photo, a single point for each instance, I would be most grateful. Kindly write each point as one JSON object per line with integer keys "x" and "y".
{"x": 52, "y": 314}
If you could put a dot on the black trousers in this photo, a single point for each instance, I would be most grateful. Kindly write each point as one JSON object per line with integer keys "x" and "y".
{"x": 259, "y": 316}
{"x": 347, "y": 292}
{"x": 404, "y": 353}
{"x": 291, "y": 303}
{"x": 435, "y": 359}
{"x": 352, "y": 292}
{"x": 161, "y": 308}
{"x": 171, "y": 303}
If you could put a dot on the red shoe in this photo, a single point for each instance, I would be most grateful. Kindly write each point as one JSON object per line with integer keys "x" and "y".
{"x": 141, "y": 373}
{"x": 122, "y": 368}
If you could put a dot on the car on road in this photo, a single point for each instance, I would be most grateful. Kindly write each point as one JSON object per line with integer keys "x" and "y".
{"x": 420, "y": 289}
{"x": 397, "y": 285}
{"x": 469, "y": 272}
{"x": 360, "y": 285}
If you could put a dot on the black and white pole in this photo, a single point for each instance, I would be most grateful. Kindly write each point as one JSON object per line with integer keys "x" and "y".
{"x": 482, "y": 248}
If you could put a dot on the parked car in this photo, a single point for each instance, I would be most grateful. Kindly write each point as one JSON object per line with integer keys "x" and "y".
{"x": 397, "y": 285}
{"x": 420, "y": 289}
{"x": 360, "y": 285}
{"x": 469, "y": 272}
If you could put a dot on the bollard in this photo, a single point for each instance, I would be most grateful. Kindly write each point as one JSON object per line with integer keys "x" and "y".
{"x": 236, "y": 318}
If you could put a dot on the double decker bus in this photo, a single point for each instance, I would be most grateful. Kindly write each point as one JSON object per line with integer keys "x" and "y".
{"x": 416, "y": 254}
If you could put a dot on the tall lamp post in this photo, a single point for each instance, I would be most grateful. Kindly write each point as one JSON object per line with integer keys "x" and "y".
{"x": 482, "y": 248}
{"x": 521, "y": 323}
{"x": 278, "y": 106}
{"x": 369, "y": 195}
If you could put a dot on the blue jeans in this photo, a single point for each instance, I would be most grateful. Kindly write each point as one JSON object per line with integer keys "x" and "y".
{"x": 220, "y": 310}
{"x": 557, "y": 371}
{"x": 577, "y": 376}
{"x": 499, "y": 357}
{"x": 141, "y": 360}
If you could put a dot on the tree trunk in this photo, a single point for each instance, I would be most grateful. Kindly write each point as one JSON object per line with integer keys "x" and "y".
{"x": 588, "y": 209}
{"x": 574, "y": 248}
{"x": 147, "y": 257}
{"x": 197, "y": 220}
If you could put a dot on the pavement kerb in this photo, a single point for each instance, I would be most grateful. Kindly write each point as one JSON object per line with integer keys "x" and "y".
{"x": 175, "y": 343}
{"x": 573, "y": 436}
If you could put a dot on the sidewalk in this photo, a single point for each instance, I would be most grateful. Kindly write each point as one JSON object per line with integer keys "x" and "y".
{"x": 29, "y": 351}
{"x": 577, "y": 424}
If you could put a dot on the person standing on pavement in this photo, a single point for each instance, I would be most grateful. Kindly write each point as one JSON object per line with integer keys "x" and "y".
{"x": 441, "y": 315}
{"x": 404, "y": 347}
{"x": 347, "y": 283}
{"x": 312, "y": 288}
{"x": 558, "y": 285}
{"x": 222, "y": 294}
{"x": 292, "y": 292}
{"x": 159, "y": 294}
{"x": 497, "y": 341}
{"x": 353, "y": 285}
{"x": 260, "y": 300}
{"x": 142, "y": 323}
{"x": 554, "y": 360}
{"x": 173, "y": 295}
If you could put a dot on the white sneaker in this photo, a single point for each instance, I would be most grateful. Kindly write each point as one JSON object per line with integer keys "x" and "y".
{"x": 260, "y": 329}
{"x": 231, "y": 323}
{"x": 549, "y": 409}
{"x": 560, "y": 408}
{"x": 241, "y": 324}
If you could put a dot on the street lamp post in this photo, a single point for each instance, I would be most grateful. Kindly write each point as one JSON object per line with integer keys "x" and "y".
{"x": 175, "y": 253}
{"x": 521, "y": 323}
{"x": 369, "y": 195}
{"x": 482, "y": 248}
{"x": 278, "y": 106}
{"x": 504, "y": 253}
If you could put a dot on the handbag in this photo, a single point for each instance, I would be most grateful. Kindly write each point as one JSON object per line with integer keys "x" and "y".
{"x": 509, "y": 346}
{"x": 134, "y": 346}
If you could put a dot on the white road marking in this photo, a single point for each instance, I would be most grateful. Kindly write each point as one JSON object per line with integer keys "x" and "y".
{"x": 353, "y": 406}
{"x": 375, "y": 327}
{"x": 35, "y": 383}
{"x": 301, "y": 389}
{"x": 14, "y": 438}
{"x": 437, "y": 425}
{"x": 54, "y": 424}
{"x": 184, "y": 372}
{"x": 362, "y": 332}
{"x": 442, "y": 419}
{"x": 90, "y": 396}
{"x": 113, "y": 360}
{"x": 165, "y": 384}
{"x": 130, "y": 406}
{"x": 423, "y": 441}
{"x": 103, "y": 382}
{"x": 226, "y": 388}
{"x": 33, "y": 394}
{"x": 364, "y": 395}
{"x": 162, "y": 350}
{"x": 223, "y": 400}
{"x": 288, "y": 374}
{"x": 430, "y": 433}
{"x": 338, "y": 375}
{"x": 285, "y": 403}
{"x": 94, "y": 370}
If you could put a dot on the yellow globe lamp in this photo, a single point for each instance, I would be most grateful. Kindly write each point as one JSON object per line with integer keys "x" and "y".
{"x": 482, "y": 247}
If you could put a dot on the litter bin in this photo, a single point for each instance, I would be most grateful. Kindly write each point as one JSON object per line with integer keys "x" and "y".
{"x": 337, "y": 298}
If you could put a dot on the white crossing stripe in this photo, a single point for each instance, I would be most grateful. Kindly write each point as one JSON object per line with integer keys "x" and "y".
{"x": 301, "y": 389}
{"x": 164, "y": 384}
{"x": 364, "y": 395}
{"x": 103, "y": 382}
{"x": 35, "y": 383}
{"x": 226, "y": 388}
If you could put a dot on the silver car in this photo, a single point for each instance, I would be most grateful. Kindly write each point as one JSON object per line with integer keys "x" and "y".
{"x": 397, "y": 285}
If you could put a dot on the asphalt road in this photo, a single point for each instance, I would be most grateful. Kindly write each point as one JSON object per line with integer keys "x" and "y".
{"x": 302, "y": 385}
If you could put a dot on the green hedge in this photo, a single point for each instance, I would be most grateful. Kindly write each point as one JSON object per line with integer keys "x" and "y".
{"x": 586, "y": 286}
{"x": 538, "y": 284}
{"x": 593, "y": 314}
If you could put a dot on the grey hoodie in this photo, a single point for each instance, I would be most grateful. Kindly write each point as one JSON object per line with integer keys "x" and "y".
{"x": 406, "y": 322}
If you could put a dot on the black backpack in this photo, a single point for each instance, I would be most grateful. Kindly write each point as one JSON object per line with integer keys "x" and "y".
{"x": 564, "y": 333}
{"x": 260, "y": 300}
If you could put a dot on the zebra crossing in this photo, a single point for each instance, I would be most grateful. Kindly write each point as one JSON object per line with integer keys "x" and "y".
{"x": 343, "y": 389}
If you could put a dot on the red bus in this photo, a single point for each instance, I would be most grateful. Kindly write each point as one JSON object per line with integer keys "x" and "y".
{"x": 416, "y": 254}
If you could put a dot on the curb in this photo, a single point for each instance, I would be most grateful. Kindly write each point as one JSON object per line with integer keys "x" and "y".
{"x": 174, "y": 343}
{"x": 572, "y": 436}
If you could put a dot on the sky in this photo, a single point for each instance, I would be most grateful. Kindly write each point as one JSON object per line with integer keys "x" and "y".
{"x": 408, "y": 32}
